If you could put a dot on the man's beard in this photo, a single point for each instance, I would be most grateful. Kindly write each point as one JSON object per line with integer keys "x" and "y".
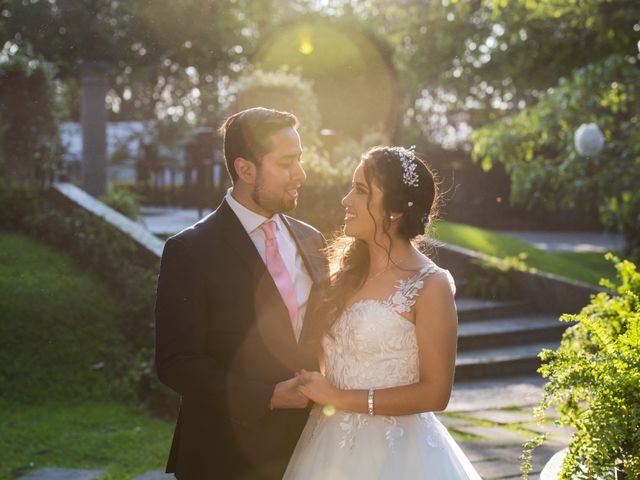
{"x": 272, "y": 206}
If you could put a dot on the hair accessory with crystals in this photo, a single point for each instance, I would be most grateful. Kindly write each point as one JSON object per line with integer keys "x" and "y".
{"x": 408, "y": 160}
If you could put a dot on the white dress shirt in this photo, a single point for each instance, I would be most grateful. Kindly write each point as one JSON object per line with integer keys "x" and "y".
{"x": 251, "y": 222}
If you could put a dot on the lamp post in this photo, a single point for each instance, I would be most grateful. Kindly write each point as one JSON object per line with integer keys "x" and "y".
{"x": 588, "y": 140}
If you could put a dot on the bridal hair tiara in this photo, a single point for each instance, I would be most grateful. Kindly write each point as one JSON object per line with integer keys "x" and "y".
{"x": 408, "y": 160}
{"x": 409, "y": 175}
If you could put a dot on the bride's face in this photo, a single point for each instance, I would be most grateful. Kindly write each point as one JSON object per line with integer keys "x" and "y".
{"x": 364, "y": 214}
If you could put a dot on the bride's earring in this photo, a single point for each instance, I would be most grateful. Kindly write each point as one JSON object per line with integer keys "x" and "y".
{"x": 392, "y": 218}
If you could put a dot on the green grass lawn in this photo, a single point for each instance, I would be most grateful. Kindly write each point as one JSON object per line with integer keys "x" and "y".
{"x": 64, "y": 397}
{"x": 122, "y": 439}
{"x": 586, "y": 267}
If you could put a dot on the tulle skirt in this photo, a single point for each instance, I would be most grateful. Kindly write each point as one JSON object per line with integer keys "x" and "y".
{"x": 347, "y": 445}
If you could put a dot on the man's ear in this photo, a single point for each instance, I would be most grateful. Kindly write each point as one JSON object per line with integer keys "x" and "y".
{"x": 246, "y": 170}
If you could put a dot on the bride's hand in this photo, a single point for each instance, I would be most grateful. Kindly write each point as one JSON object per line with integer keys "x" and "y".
{"x": 316, "y": 387}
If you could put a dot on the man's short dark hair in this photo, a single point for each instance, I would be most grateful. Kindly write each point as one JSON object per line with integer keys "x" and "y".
{"x": 246, "y": 134}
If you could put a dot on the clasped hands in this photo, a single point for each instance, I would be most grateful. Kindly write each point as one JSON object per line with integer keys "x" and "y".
{"x": 297, "y": 391}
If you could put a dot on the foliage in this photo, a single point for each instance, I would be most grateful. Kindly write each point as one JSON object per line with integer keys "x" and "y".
{"x": 335, "y": 166}
{"x": 165, "y": 55}
{"x": 593, "y": 378}
{"x": 123, "y": 440}
{"x": 113, "y": 257}
{"x": 29, "y": 137}
{"x": 536, "y": 146}
{"x": 493, "y": 57}
{"x": 284, "y": 91}
{"x": 288, "y": 91}
{"x": 494, "y": 281}
{"x": 123, "y": 200}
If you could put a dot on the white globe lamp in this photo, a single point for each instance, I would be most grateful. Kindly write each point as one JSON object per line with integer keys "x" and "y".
{"x": 588, "y": 140}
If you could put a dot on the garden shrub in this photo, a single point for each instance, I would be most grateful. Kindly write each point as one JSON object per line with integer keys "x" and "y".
{"x": 593, "y": 379}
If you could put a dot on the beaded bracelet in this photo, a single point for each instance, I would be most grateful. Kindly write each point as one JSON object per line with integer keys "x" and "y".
{"x": 370, "y": 402}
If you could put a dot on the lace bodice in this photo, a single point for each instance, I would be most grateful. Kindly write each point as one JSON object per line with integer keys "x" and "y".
{"x": 372, "y": 345}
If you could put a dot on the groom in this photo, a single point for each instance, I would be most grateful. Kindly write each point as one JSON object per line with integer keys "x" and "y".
{"x": 233, "y": 322}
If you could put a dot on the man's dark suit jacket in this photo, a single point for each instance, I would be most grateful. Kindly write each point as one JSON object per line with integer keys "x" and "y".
{"x": 223, "y": 340}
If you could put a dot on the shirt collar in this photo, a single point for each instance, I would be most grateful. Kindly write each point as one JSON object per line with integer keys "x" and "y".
{"x": 249, "y": 219}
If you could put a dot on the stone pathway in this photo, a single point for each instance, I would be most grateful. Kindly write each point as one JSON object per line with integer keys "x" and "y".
{"x": 570, "y": 241}
{"x": 165, "y": 221}
{"x": 492, "y": 419}
{"x": 50, "y": 473}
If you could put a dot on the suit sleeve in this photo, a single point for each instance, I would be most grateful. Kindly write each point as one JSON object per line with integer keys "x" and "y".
{"x": 181, "y": 359}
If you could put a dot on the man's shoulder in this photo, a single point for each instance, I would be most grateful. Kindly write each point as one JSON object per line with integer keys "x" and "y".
{"x": 308, "y": 229}
{"x": 196, "y": 233}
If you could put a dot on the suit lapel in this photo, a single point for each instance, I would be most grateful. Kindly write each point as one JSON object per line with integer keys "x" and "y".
{"x": 239, "y": 240}
{"x": 315, "y": 263}
{"x": 308, "y": 248}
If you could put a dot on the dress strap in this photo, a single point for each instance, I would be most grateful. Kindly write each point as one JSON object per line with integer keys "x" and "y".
{"x": 407, "y": 289}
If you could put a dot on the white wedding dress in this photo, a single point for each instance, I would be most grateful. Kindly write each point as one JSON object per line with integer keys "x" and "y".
{"x": 373, "y": 346}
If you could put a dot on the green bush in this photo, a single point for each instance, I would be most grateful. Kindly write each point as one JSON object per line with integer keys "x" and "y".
{"x": 288, "y": 91}
{"x": 335, "y": 166}
{"x": 593, "y": 379}
{"x": 123, "y": 200}
{"x": 29, "y": 136}
{"x": 494, "y": 281}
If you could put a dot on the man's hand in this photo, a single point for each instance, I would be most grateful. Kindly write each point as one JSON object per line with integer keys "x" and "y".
{"x": 287, "y": 395}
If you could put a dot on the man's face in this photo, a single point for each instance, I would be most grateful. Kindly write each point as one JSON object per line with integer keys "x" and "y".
{"x": 279, "y": 174}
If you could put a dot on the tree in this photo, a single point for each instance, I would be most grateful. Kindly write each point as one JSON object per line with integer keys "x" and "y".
{"x": 536, "y": 146}
{"x": 474, "y": 61}
{"x": 164, "y": 53}
{"x": 29, "y": 143}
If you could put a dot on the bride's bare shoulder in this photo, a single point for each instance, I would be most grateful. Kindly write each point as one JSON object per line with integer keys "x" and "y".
{"x": 436, "y": 275}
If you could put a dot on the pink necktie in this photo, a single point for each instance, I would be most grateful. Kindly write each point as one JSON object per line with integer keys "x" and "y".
{"x": 279, "y": 273}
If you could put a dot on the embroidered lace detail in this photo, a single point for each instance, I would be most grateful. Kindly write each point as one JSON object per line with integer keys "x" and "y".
{"x": 393, "y": 431}
{"x": 350, "y": 424}
{"x": 404, "y": 297}
{"x": 372, "y": 345}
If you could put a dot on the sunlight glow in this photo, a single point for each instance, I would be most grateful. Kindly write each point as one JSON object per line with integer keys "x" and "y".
{"x": 306, "y": 47}
{"x": 328, "y": 410}
{"x": 352, "y": 78}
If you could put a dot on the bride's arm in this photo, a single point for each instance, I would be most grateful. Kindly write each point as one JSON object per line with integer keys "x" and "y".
{"x": 436, "y": 331}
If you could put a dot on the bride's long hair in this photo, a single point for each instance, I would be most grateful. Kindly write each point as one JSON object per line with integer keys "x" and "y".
{"x": 417, "y": 201}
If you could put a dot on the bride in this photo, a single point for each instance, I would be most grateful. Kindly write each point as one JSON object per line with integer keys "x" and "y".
{"x": 389, "y": 342}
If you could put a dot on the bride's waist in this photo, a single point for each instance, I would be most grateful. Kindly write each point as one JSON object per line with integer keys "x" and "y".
{"x": 341, "y": 416}
{"x": 373, "y": 380}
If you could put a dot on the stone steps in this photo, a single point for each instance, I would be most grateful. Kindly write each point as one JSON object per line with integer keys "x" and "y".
{"x": 470, "y": 309}
{"x": 509, "y": 331}
{"x": 502, "y": 338}
{"x": 500, "y": 361}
